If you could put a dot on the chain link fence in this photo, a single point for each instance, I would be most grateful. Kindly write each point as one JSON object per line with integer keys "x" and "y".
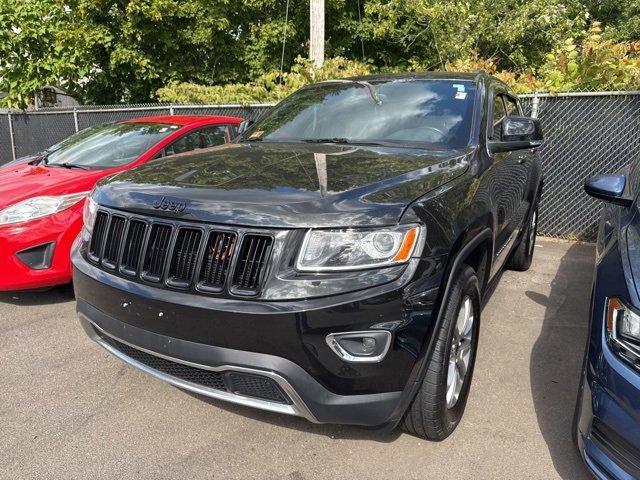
{"x": 585, "y": 134}
{"x": 27, "y": 132}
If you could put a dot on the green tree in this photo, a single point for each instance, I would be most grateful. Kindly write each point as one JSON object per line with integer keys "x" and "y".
{"x": 108, "y": 51}
{"x": 44, "y": 43}
{"x": 621, "y": 19}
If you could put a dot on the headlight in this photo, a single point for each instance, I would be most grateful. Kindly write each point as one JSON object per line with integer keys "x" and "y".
{"x": 623, "y": 327}
{"x": 352, "y": 249}
{"x": 89, "y": 214}
{"x": 37, "y": 207}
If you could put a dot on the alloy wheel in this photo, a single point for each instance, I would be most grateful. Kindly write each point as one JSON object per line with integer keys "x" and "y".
{"x": 460, "y": 353}
{"x": 532, "y": 231}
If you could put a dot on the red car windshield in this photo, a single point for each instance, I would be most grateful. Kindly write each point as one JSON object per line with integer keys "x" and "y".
{"x": 107, "y": 146}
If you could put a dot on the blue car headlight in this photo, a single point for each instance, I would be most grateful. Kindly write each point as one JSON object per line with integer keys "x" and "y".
{"x": 623, "y": 329}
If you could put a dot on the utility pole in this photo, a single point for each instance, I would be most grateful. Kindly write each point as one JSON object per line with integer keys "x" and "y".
{"x": 316, "y": 37}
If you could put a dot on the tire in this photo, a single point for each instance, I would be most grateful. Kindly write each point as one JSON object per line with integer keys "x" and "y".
{"x": 522, "y": 256}
{"x": 434, "y": 413}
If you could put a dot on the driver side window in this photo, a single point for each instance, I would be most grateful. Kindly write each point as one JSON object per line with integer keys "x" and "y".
{"x": 187, "y": 143}
{"x": 202, "y": 138}
{"x": 499, "y": 112}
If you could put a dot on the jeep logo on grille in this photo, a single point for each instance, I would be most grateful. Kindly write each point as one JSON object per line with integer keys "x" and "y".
{"x": 169, "y": 205}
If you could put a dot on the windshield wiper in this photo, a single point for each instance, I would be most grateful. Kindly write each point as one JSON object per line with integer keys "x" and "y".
{"x": 372, "y": 90}
{"x": 41, "y": 157}
{"x": 67, "y": 165}
{"x": 344, "y": 140}
{"x": 326, "y": 140}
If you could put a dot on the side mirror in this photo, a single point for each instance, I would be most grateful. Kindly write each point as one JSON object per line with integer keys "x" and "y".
{"x": 609, "y": 188}
{"x": 244, "y": 126}
{"x": 518, "y": 133}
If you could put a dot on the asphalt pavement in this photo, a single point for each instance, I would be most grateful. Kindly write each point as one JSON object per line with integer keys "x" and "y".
{"x": 69, "y": 410}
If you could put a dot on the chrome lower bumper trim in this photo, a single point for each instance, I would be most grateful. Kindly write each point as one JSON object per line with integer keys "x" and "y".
{"x": 297, "y": 408}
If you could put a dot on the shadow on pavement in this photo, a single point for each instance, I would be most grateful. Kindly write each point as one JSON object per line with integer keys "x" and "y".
{"x": 557, "y": 354}
{"x": 60, "y": 294}
{"x": 300, "y": 424}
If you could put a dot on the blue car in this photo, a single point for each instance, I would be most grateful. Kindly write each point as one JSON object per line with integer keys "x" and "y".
{"x": 607, "y": 419}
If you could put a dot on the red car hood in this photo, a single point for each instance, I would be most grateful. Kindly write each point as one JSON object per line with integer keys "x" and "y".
{"x": 19, "y": 182}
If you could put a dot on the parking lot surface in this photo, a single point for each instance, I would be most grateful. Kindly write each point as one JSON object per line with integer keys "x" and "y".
{"x": 69, "y": 410}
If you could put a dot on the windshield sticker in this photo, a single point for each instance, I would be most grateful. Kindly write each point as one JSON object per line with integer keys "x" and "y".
{"x": 460, "y": 95}
{"x": 257, "y": 134}
{"x": 458, "y": 87}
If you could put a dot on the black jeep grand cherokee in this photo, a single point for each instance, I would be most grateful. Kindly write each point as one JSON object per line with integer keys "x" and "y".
{"x": 331, "y": 263}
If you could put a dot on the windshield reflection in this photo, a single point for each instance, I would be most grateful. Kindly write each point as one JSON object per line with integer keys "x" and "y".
{"x": 434, "y": 113}
{"x": 107, "y": 146}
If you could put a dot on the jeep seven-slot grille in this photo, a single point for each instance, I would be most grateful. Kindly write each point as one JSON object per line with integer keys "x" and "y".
{"x": 254, "y": 251}
{"x": 180, "y": 255}
{"x": 99, "y": 228}
{"x": 217, "y": 260}
{"x": 183, "y": 261}
{"x": 114, "y": 240}
{"x": 132, "y": 252}
{"x": 156, "y": 254}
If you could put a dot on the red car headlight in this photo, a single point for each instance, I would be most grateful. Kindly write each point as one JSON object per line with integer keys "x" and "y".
{"x": 38, "y": 207}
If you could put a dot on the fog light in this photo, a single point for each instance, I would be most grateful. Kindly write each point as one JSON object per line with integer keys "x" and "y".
{"x": 368, "y": 346}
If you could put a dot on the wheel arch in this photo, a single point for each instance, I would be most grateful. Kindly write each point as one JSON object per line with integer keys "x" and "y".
{"x": 470, "y": 250}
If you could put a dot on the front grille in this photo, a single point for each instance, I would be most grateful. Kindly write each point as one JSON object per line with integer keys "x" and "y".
{"x": 132, "y": 252}
{"x": 183, "y": 261}
{"x": 99, "y": 229}
{"x": 114, "y": 240}
{"x": 180, "y": 255}
{"x": 217, "y": 260}
{"x": 156, "y": 255}
{"x": 616, "y": 447}
{"x": 253, "y": 254}
{"x": 249, "y": 385}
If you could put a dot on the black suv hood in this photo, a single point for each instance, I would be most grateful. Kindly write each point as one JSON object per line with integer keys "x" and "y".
{"x": 284, "y": 185}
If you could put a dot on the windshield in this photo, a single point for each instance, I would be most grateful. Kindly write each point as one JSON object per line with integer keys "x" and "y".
{"x": 432, "y": 113}
{"x": 107, "y": 146}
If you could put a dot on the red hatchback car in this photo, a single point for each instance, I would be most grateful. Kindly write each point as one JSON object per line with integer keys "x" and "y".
{"x": 41, "y": 201}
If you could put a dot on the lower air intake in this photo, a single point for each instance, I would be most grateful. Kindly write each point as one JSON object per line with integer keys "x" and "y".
{"x": 256, "y": 386}
{"x": 248, "y": 385}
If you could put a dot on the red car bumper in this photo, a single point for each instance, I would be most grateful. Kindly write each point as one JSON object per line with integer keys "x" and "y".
{"x": 60, "y": 230}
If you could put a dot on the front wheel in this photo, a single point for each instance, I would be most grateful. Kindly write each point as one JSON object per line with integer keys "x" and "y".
{"x": 440, "y": 402}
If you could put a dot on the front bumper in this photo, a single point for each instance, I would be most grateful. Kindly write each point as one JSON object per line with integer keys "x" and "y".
{"x": 283, "y": 341}
{"x": 60, "y": 230}
{"x": 305, "y": 396}
{"x": 607, "y": 422}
